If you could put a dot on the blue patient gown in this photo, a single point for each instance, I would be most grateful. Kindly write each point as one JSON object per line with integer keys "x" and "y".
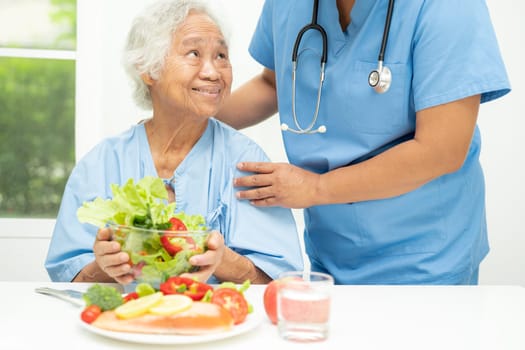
{"x": 203, "y": 184}
{"x": 439, "y": 51}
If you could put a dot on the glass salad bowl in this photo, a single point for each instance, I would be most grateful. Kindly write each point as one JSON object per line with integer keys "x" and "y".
{"x": 156, "y": 255}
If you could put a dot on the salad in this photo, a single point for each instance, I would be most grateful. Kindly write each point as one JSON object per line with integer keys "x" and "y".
{"x": 158, "y": 240}
{"x": 157, "y": 306}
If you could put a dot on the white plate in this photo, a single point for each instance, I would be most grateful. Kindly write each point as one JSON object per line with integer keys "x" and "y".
{"x": 252, "y": 321}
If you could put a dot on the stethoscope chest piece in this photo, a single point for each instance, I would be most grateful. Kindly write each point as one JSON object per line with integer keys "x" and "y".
{"x": 380, "y": 79}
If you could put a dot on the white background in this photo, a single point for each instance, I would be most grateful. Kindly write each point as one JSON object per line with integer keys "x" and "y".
{"x": 104, "y": 107}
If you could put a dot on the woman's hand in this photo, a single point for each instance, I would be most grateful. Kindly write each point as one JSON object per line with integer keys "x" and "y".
{"x": 110, "y": 259}
{"x": 208, "y": 261}
{"x": 277, "y": 184}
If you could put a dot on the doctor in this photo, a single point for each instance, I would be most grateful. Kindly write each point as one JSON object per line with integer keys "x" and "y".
{"x": 381, "y": 133}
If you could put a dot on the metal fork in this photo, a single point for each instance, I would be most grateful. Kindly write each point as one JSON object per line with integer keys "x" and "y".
{"x": 72, "y": 296}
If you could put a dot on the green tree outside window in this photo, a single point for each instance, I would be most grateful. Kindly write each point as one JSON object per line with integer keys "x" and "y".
{"x": 37, "y": 112}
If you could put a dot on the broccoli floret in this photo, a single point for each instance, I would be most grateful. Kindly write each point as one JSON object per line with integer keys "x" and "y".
{"x": 106, "y": 297}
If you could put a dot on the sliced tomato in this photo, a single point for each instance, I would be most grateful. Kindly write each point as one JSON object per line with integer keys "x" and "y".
{"x": 191, "y": 245}
{"x": 166, "y": 239}
{"x": 171, "y": 247}
{"x": 182, "y": 285}
{"x": 233, "y": 301}
{"x": 177, "y": 225}
{"x": 90, "y": 313}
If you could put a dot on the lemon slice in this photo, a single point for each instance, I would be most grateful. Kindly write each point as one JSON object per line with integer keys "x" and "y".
{"x": 138, "y": 307}
{"x": 171, "y": 304}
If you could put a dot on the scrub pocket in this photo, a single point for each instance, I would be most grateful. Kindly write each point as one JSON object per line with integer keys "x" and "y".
{"x": 375, "y": 113}
{"x": 413, "y": 223}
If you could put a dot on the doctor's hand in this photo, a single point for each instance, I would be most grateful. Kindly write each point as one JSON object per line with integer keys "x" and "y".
{"x": 208, "y": 261}
{"x": 277, "y": 184}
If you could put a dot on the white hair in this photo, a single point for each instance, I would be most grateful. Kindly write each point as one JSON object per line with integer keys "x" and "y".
{"x": 149, "y": 41}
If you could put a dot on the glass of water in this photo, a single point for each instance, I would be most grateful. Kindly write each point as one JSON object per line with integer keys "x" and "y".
{"x": 303, "y": 305}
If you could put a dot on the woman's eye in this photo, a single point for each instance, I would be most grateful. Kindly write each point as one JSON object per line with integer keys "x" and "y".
{"x": 222, "y": 56}
{"x": 193, "y": 53}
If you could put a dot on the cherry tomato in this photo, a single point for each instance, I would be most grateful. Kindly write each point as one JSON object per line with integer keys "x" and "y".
{"x": 90, "y": 313}
{"x": 177, "y": 225}
{"x": 233, "y": 301}
{"x": 182, "y": 285}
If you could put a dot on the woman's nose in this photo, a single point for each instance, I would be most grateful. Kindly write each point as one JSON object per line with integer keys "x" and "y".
{"x": 209, "y": 71}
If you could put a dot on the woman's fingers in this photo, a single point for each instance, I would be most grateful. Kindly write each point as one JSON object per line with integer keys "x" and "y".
{"x": 208, "y": 261}
{"x": 110, "y": 258}
{"x": 124, "y": 279}
{"x": 213, "y": 256}
{"x": 104, "y": 234}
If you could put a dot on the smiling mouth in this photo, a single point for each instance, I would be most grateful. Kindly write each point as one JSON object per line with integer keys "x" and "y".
{"x": 208, "y": 91}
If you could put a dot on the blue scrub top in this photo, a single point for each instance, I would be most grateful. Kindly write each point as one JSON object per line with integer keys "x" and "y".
{"x": 203, "y": 184}
{"x": 438, "y": 51}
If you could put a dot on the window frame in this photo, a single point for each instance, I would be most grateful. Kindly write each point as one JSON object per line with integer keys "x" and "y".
{"x": 91, "y": 123}
{"x": 32, "y": 227}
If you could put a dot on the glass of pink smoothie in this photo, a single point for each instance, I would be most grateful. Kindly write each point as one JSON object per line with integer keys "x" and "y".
{"x": 303, "y": 306}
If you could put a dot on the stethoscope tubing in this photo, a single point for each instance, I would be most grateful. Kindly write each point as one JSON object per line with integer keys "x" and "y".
{"x": 379, "y": 79}
{"x": 386, "y": 31}
{"x": 311, "y": 26}
{"x": 324, "y": 57}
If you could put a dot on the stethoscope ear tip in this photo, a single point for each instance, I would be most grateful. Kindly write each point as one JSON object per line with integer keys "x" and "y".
{"x": 284, "y": 126}
{"x": 321, "y": 129}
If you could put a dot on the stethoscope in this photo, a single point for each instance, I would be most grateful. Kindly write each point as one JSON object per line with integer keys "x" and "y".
{"x": 379, "y": 79}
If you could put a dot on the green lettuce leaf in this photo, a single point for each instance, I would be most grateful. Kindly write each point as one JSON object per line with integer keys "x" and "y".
{"x": 141, "y": 204}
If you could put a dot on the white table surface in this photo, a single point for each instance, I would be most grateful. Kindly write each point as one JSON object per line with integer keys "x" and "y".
{"x": 363, "y": 317}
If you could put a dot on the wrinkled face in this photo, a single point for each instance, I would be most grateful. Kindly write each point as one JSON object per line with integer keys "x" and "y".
{"x": 197, "y": 74}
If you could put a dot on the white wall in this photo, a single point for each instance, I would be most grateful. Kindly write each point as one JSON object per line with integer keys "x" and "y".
{"x": 502, "y": 123}
{"x": 23, "y": 249}
{"x": 104, "y": 107}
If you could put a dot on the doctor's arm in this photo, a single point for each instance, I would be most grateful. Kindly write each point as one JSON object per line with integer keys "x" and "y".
{"x": 251, "y": 103}
{"x": 440, "y": 146}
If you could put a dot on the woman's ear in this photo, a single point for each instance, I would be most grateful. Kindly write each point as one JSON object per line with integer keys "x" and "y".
{"x": 147, "y": 79}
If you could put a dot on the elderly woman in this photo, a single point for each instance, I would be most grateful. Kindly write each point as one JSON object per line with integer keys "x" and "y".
{"x": 178, "y": 58}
